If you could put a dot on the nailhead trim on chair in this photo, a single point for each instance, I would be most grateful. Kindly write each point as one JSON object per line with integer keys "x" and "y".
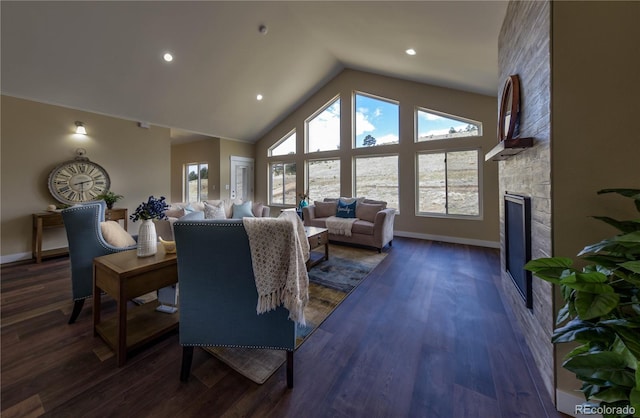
{"x": 237, "y": 346}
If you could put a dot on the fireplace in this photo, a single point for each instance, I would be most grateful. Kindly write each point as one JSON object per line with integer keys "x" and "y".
{"x": 517, "y": 231}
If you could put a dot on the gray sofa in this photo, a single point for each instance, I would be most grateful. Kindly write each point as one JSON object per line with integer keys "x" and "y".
{"x": 374, "y": 227}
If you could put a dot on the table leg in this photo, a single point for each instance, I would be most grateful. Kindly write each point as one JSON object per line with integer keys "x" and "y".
{"x": 97, "y": 304}
{"x": 326, "y": 251}
{"x": 37, "y": 241}
{"x": 121, "y": 350}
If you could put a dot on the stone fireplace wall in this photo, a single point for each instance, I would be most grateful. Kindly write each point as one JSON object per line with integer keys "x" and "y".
{"x": 525, "y": 49}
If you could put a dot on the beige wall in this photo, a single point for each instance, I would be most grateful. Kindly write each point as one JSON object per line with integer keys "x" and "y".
{"x": 36, "y": 137}
{"x": 595, "y": 145}
{"x": 201, "y": 151}
{"x": 409, "y": 95}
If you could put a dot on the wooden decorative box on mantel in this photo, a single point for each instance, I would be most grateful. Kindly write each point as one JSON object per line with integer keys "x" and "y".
{"x": 507, "y": 148}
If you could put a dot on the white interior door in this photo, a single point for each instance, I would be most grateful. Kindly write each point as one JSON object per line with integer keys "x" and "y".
{"x": 241, "y": 178}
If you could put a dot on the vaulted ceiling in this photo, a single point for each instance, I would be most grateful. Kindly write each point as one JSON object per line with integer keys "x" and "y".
{"x": 107, "y": 57}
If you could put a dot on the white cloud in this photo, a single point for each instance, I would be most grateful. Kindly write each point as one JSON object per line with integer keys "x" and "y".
{"x": 429, "y": 116}
{"x": 378, "y": 112}
{"x": 387, "y": 139}
{"x": 324, "y": 132}
{"x": 362, "y": 124}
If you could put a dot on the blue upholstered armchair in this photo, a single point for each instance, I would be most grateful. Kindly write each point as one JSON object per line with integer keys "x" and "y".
{"x": 218, "y": 295}
{"x": 86, "y": 242}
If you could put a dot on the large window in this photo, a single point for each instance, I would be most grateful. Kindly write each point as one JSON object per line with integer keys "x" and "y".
{"x": 323, "y": 178}
{"x": 448, "y": 183}
{"x": 283, "y": 183}
{"x": 432, "y": 126}
{"x": 285, "y": 146}
{"x": 323, "y": 128}
{"x": 377, "y": 178}
{"x": 376, "y": 121}
{"x": 197, "y": 182}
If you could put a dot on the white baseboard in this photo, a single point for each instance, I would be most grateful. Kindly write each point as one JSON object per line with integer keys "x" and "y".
{"x": 566, "y": 403}
{"x": 10, "y": 258}
{"x": 453, "y": 240}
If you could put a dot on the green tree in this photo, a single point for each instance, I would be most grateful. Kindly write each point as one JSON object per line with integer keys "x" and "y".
{"x": 369, "y": 141}
{"x": 452, "y": 130}
{"x": 204, "y": 173}
{"x": 192, "y": 176}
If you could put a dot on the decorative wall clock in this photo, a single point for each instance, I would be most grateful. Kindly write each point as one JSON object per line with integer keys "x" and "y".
{"x": 78, "y": 180}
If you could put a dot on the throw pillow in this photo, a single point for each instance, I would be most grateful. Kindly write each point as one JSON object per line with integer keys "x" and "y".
{"x": 325, "y": 209}
{"x": 174, "y": 213}
{"x": 115, "y": 235}
{"x": 242, "y": 210}
{"x": 350, "y": 200}
{"x": 346, "y": 210}
{"x": 214, "y": 211}
{"x": 368, "y": 211}
{"x": 256, "y": 209}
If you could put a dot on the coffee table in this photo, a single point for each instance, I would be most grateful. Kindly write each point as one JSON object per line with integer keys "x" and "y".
{"x": 317, "y": 237}
{"x": 123, "y": 276}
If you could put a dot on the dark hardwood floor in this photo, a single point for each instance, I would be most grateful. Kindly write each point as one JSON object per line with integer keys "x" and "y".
{"x": 425, "y": 335}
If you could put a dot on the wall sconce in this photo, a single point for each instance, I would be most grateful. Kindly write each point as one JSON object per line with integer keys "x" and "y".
{"x": 80, "y": 128}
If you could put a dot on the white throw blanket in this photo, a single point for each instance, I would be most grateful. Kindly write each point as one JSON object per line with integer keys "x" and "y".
{"x": 279, "y": 265}
{"x": 340, "y": 226}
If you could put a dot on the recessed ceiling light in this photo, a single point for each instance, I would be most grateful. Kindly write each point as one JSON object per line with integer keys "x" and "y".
{"x": 259, "y": 97}
{"x": 167, "y": 57}
{"x": 410, "y": 51}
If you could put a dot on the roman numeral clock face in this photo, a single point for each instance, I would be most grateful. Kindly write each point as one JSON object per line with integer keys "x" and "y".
{"x": 77, "y": 181}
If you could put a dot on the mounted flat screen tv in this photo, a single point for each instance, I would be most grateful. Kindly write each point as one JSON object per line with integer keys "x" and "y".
{"x": 517, "y": 225}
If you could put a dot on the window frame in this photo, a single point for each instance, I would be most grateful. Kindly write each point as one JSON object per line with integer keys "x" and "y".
{"x": 354, "y": 119}
{"x": 185, "y": 182}
{"x": 480, "y": 160}
{"x": 270, "y": 177}
{"x": 416, "y": 131}
{"x": 281, "y": 141}
{"x": 315, "y": 115}
{"x": 307, "y": 171}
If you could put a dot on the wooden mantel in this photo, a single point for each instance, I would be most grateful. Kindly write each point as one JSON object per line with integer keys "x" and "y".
{"x": 507, "y": 148}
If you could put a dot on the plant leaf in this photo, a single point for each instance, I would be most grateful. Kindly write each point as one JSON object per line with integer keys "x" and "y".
{"x": 549, "y": 269}
{"x": 612, "y": 394}
{"x": 605, "y": 365}
{"x": 593, "y": 282}
{"x": 582, "y": 331}
{"x": 634, "y": 266}
{"x": 632, "y": 193}
{"x": 623, "y": 226}
{"x": 563, "y": 314}
{"x": 590, "y": 305}
{"x": 630, "y": 338}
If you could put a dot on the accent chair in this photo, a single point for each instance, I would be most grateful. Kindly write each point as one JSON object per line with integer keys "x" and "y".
{"x": 218, "y": 296}
{"x": 82, "y": 223}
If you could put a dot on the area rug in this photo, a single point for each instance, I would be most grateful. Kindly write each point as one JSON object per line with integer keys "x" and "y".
{"x": 330, "y": 282}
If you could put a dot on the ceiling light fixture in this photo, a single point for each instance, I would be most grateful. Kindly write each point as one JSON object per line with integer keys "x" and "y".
{"x": 410, "y": 51}
{"x": 259, "y": 97}
{"x": 263, "y": 29}
{"x": 80, "y": 128}
{"x": 167, "y": 57}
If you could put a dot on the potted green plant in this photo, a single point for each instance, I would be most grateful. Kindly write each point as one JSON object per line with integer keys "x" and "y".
{"x": 109, "y": 197}
{"x": 602, "y": 314}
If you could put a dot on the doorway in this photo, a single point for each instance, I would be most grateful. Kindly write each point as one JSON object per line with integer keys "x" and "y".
{"x": 241, "y": 178}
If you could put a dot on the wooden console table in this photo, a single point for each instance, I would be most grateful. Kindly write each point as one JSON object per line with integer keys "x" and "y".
{"x": 124, "y": 276}
{"x": 46, "y": 220}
